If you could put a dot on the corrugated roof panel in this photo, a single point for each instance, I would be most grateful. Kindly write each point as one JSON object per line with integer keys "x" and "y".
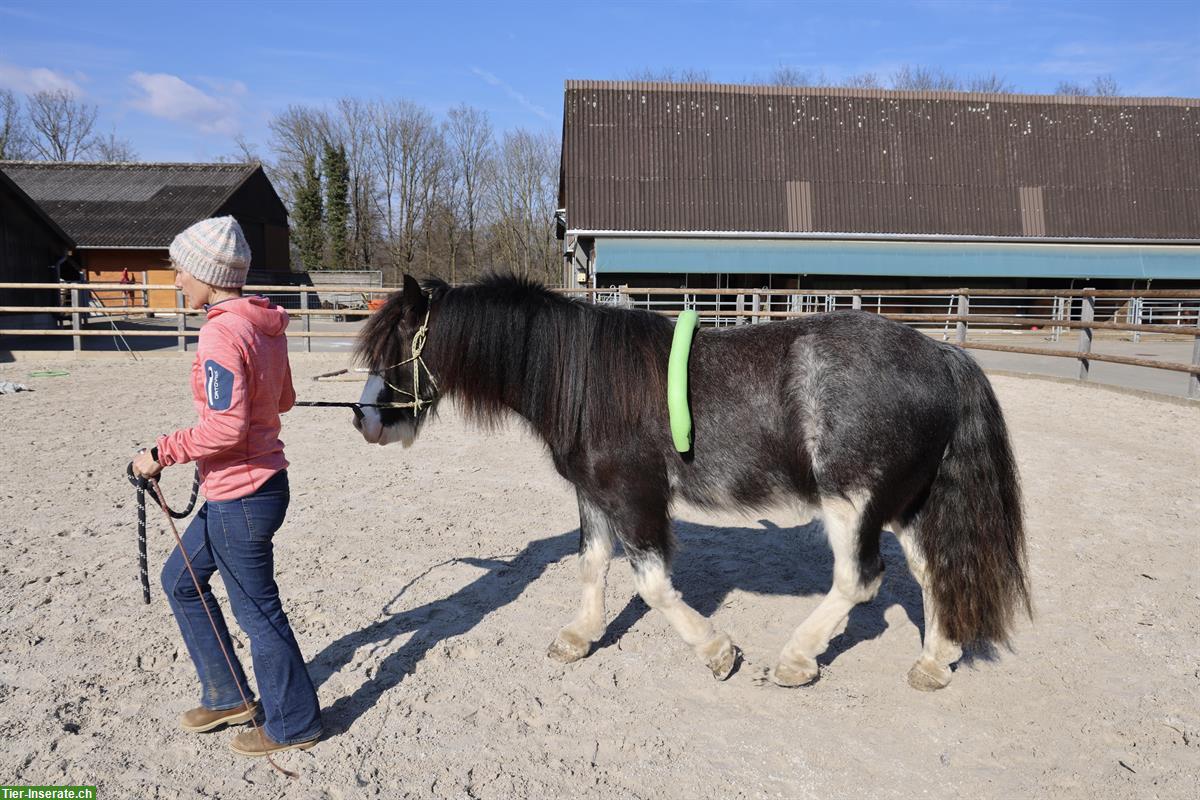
{"x": 127, "y": 205}
{"x": 721, "y": 157}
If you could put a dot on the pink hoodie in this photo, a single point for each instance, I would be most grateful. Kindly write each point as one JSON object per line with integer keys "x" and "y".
{"x": 241, "y": 383}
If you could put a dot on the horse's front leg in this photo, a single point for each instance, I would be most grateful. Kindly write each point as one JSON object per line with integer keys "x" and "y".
{"x": 652, "y": 577}
{"x": 595, "y": 552}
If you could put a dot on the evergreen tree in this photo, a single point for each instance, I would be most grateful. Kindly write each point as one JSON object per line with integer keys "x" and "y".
{"x": 310, "y": 233}
{"x": 337, "y": 206}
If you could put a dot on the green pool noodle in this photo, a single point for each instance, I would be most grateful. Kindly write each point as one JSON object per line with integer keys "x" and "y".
{"x": 677, "y": 381}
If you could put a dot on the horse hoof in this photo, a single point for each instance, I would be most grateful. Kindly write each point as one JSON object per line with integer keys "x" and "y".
{"x": 790, "y": 674}
{"x": 927, "y": 676}
{"x": 721, "y": 656}
{"x": 568, "y": 647}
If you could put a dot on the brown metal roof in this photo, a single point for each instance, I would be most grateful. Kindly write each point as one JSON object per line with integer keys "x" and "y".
{"x": 706, "y": 157}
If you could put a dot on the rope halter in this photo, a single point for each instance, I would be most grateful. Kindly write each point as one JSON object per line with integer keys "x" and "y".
{"x": 417, "y": 404}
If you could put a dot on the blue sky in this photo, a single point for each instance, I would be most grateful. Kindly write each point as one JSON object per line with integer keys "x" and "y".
{"x": 180, "y": 80}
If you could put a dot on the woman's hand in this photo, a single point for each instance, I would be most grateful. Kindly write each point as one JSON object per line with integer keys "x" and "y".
{"x": 144, "y": 465}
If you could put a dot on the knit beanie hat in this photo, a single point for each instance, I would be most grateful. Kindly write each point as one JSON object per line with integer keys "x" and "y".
{"x": 213, "y": 251}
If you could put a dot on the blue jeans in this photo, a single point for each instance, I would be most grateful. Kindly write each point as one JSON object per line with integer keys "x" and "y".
{"x": 234, "y": 537}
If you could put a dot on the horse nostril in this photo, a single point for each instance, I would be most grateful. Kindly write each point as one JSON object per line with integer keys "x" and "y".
{"x": 358, "y": 415}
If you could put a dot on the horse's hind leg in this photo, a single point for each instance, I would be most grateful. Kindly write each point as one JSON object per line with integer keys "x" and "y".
{"x": 595, "y": 552}
{"x": 932, "y": 670}
{"x": 856, "y": 579}
{"x": 653, "y": 582}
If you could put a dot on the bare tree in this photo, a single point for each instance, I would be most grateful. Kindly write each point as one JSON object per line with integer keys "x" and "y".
{"x": 523, "y": 203}
{"x": 1101, "y": 86}
{"x": 785, "y": 75}
{"x": 439, "y": 220}
{"x": 14, "y": 133}
{"x": 990, "y": 84}
{"x": 428, "y": 195}
{"x": 247, "y": 151}
{"x": 114, "y": 150}
{"x": 297, "y": 134}
{"x": 443, "y": 227}
{"x": 352, "y": 130}
{"x": 694, "y": 75}
{"x": 449, "y": 207}
{"x": 1070, "y": 89}
{"x": 864, "y": 80}
{"x": 301, "y": 132}
{"x": 671, "y": 75}
{"x": 469, "y": 135}
{"x": 62, "y": 125}
{"x": 407, "y": 158}
{"x": 924, "y": 79}
{"x": 1105, "y": 86}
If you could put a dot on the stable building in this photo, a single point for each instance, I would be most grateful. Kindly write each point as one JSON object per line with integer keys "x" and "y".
{"x": 33, "y": 249}
{"x": 723, "y": 186}
{"x": 124, "y": 216}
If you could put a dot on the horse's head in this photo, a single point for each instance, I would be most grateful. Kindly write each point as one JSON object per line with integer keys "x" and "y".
{"x": 400, "y": 391}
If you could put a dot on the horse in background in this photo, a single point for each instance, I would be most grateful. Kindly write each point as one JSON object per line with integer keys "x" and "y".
{"x": 861, "y": 419}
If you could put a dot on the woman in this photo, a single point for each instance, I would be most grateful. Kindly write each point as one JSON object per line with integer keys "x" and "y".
{"x": 241, "y": 382}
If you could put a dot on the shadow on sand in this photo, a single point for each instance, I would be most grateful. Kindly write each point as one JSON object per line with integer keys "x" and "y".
{"x": 712, "y": 562}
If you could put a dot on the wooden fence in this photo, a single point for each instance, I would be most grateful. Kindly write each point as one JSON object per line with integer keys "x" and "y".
{"x": 675, "y": 300}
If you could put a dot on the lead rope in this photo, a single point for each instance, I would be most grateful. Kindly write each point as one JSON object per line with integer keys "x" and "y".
{"x": 141, "y": 484}
{"x": 417, "y": 403}
{"x": 171, "y": 516}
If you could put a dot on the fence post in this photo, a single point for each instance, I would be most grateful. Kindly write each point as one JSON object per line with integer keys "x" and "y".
{"x": 76, "y": 341}
{"x": 964, "y": 308}
{"x": 1194, "y": 378}
{"x": 180, "y": 322}
{"x": 856, "y": 302}
{"x": 307, "y": 320}
{"x": 1087, "y": 313}
{"x": 740, "y": 306}
{"x": 756, "y": 307}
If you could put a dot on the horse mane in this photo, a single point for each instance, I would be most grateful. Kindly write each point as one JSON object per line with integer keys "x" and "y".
{"x": 503, "y": 343}
{"x": 384, "y": 337}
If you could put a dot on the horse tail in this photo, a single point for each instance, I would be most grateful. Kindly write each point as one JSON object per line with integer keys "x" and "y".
{"x": 970, "y": 527}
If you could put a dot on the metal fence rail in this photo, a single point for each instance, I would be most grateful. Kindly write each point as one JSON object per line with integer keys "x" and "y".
{"x": 952, "y": 313}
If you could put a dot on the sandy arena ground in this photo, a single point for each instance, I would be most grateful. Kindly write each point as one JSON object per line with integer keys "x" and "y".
{"x": 425, "y": 584}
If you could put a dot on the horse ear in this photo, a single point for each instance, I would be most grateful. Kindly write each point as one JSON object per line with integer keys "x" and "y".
{"x": 414, "y": 301}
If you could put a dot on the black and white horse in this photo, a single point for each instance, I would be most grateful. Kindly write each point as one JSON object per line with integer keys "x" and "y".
{"x": 864, "y": 420}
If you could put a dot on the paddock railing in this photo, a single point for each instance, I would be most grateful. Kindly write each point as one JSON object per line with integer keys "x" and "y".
{"x": 952, "y": 314}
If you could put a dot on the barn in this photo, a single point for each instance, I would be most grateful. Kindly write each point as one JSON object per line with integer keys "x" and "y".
{"x": 33, "y": 249}
{"x": 716, "y": 186}
{"x": 124, "y": 216}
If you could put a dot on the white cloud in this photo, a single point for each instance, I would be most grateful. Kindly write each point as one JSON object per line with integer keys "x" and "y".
{"x": 229, "y": 88}
{"x": 29, "y": 80}
{"x": 524, "y": 101}
{"x": 172, "y": 98}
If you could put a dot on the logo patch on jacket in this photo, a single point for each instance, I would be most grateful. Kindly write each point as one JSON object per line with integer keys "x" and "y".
{"x": 218, "y": 386}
